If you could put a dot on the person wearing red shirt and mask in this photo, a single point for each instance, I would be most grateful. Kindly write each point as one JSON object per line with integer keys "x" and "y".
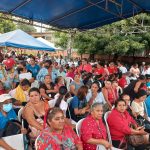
{"x": 85, "y": 66}
{"x": 119, "y": 122}
{"x": 112, "y": 68}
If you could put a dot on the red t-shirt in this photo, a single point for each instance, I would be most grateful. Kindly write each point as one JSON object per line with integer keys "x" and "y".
{"x": 99, "y": 71}
{"x": 122, "y": 82}
{"x": 87, "y": 68}
{"x": 112, "y": 70}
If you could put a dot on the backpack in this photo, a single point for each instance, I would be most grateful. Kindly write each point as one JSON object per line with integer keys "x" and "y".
{"x": 12, "y": 127}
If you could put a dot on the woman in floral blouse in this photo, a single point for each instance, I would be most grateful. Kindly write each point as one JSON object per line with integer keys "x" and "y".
{"x": 57, "y": 135}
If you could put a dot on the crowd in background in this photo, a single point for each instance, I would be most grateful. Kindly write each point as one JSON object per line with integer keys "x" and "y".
{"x": 54, "y": 94}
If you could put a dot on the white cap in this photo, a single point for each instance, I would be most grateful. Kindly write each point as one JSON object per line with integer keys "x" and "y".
{"x": 4, "y": 97}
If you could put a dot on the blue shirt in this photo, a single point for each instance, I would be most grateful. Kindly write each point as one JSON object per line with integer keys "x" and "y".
{"x": 42, "y": 73}
{"x": 76, "y": 103}
{"x": 4, "y": 119}
{"x": 34, "y": 69}
{"x": 147, "y": 102}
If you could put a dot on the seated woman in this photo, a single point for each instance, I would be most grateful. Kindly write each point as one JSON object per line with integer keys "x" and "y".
{"x": 24, "y": 73}
{"x": 6, "y": 110}
{"x": 57, "y": 135}
{"x": 119, "y": 122}
{"x": 109, "y": 94}
{"x": 95, "y": 95}
{"x": 20, "y": 93}
{"x": 78, "y": 106}
{"x": 130, "y": 110}
{"x": 34, "y": 111}
{"x": 93, "y": 131}
{"x": 138, "y": 103}
{"x": 75, "y": 85}
{"x": 59, "y": 81}
{"x": 47, "y": 90}
{"x": 61, "y": 100}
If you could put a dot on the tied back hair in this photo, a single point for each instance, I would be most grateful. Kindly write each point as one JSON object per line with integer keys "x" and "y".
{"x": 62, "y": 93}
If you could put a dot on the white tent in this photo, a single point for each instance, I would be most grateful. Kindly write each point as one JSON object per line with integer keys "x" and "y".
{"x": 48, "y": 43}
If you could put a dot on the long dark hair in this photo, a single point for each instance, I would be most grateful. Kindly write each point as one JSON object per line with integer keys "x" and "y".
{"x": 62, "y": 93}
{"x": 81, "y": 92}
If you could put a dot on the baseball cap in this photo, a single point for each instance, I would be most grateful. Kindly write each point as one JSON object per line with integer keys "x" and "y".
{"x": 4, "y": 97}
{"x": 9, "y": 63}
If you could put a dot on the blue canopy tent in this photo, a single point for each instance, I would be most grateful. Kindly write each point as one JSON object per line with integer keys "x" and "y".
{"x": 81, "y": 14}
{"x": 20, "y": 39}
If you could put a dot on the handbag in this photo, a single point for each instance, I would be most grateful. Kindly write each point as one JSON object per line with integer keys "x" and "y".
{"x": 136, "y": 140}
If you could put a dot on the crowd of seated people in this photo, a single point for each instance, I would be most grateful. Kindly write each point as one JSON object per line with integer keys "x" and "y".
{"x": 51, "y": 109}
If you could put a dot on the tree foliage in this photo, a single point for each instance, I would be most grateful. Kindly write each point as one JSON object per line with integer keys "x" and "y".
{"x": 25, "y": 27}
{"x": 6, "y": 25}
{"x": 126, "y": 37}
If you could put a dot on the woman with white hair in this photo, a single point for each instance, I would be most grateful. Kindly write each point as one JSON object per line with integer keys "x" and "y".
{"x": 93, "y": 130}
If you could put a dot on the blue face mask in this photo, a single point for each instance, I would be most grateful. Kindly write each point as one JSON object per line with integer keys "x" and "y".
{"x": 7, "y": 107}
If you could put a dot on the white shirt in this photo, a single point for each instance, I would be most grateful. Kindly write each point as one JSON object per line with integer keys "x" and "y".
{"x": 63, "y": 105}
{"x": 99, "y": 99}
{"x": 144, "y": 72}
{"x": 27, "y": 75}
{"x": 138, "y": 107}
{"x": 123, "y": 69}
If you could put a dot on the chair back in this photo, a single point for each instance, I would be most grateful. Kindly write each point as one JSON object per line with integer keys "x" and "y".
{"x": 78, "y": 126}
{"x": 68, "y": 80}
{"x": 20, "y": 113}
{"x": 107, "y": 127}
{"x": 35, "y": 144}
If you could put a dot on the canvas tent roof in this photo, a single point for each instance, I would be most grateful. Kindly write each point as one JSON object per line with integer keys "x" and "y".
{"x": 20, "y": 39}
{"x": 81, "y": 14}
{"x": 48, "y": 43}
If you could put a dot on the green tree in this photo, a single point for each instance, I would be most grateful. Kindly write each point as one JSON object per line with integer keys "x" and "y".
{"x": 61, "y": 39}
{"x": 126, "y": 37}
{"x": 25, "y": 27}
{"x": 6, "y": 25}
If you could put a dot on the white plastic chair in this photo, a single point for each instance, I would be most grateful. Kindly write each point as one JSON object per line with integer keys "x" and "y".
{"x": 35, "y": 144}
{"x": 20, "y": 113}
{"x": 101, "y": 147}
{"x": 68, "y": 101}
{"x": 78, "y": 126}
{"x": 107, "y": 127}
{"x": 68, "y": 80}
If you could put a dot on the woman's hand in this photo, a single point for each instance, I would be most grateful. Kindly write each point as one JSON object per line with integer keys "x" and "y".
{"x": 23, "y": 130}
{"x": 142, "y": 132}
{"x": 139, "y": 128}
{"x": 107, "y": 144}
{"x": 83, "y": 110}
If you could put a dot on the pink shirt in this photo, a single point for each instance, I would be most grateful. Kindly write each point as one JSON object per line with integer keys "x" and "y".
{"x": 90, "y": 129}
